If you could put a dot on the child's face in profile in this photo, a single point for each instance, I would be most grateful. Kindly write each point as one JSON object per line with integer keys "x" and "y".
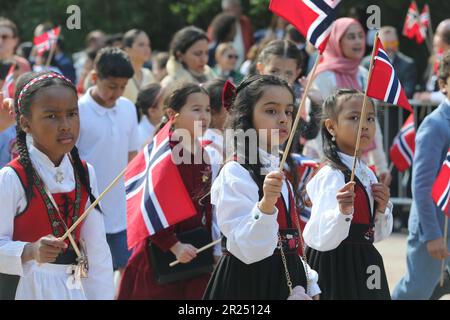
{"x": 284, "y": 68}
{"x": 54, "y": 123}
{"x": 108, "y": 90}
{"x": 345, "y": 128}
{"x": 195, "y": 113}
{"x": 274, "y": 112}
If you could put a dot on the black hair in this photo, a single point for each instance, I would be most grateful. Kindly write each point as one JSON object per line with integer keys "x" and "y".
{"x": 331, "y": 108}
{"x": 281, "y": 48}
{"x": 178, "y": 97}
{"x": 147, "y": 98}
{"x": 222, "y": 26}
{"x": 113, "y": 62}
{"x": 214, "y": 88}
{"x": 25, "y": 110}
{"x": 130, "y": 37}
{"x": 248, "y": 94}
{"x": 294, "y": 34}
{"x": 5, "y": 65}
{"x": 186, "y": 38}
{"x": 110, "y": 39}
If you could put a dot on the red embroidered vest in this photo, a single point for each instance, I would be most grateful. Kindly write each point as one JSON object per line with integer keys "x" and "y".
{"x": 34, "y": 222}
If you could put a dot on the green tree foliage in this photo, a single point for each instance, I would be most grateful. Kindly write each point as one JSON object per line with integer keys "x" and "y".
{"x": 162, "y": 18}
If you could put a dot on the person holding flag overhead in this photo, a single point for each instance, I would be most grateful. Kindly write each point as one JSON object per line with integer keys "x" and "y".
{"x": 426, "y": 220}
{"x": 168, "y": 207}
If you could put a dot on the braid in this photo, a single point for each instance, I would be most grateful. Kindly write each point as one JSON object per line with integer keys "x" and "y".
{"x": 83, "y": 174}
{"x": 24, "y": 158}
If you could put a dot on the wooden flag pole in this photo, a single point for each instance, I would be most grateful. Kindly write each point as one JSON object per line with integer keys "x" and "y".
{"x": 445, "y": 245}
{"x": 174, "y": 263}
{"x": 52, "y": 52}
{"x": 92, "y": 206}
{"x": 299, "y": 112}
{"x": 363, "y": 111}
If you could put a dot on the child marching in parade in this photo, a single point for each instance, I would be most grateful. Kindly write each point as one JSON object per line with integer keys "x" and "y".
{"x": 43, "y": 192}
{"x": 255, "y": 205}
{"x": 347, "y": 217}
{"x": 188, "y": 106}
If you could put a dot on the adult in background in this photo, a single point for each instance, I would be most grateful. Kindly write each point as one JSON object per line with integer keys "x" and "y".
{"x": 9, "y": 39}
{"x": 138, "y": 46}
{"x": 188, "y": 58}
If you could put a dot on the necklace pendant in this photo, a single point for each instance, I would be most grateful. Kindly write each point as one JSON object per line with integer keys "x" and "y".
{"x": 204, "y": 220}
{"x": 59, "y": 177}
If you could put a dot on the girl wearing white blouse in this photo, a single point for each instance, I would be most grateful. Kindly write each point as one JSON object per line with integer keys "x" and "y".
{"x": 347, "y": 217}
{"x": 256, "y": 212}
{"x": 43, "y": 192}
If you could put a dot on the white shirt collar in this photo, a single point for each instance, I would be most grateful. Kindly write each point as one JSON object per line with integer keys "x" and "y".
{"x": 56, "y": 178}
{"x": 97, "y": 107}
{"x": 362, "y": 171}
{"x": 38, "y": 156}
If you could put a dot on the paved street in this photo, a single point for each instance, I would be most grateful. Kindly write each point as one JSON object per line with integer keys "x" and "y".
{"x": 393, "y": 251}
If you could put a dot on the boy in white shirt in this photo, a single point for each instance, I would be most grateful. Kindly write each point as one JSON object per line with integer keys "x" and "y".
{"x": 109, "y": 140}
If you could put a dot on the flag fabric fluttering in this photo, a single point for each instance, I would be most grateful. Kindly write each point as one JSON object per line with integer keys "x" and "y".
{"x": 384, "y": 84}
{"x": 156, "y": 195}
{"x": 313, "y": 18}
{"x": 412, "y": 21}
{"x": 45, "y": 41}
{"x": 441, "y": 187}
{"x": 424, "y": 24}
{"x": 403, "y": 146}
{"x": 305, "y": 169}
{"x": 8, "y": 85}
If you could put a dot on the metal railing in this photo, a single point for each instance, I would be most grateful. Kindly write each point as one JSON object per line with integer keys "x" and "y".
{"x": 392, "y": 119}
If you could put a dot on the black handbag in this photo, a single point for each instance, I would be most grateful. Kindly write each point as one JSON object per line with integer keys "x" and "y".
{"x": 202, "y": 264}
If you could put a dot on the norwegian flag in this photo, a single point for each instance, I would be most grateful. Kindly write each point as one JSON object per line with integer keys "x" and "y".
{"x": 156, "y": 195}
{"x": 402, "y": 150}
{"x": 441, "y": 187}
{"x": 412, "y": 22}
{"x": 384, "y": 84}
{"x": 313, "y": 18}
{"x": 45, "y": 41}
{"x": 305, "y": 169}
{"x": 424, "y": 24}
{"x": 8, "y": 85}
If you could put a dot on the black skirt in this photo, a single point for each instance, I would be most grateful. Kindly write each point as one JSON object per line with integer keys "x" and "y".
{"x": 263, "y": 280}
{"x": 352, "y": 271}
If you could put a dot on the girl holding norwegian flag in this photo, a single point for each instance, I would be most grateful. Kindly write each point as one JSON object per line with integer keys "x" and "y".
{"x": 42, "y": 193}
{"x": 145, "y": 277}
{"x": 347, "y": 217}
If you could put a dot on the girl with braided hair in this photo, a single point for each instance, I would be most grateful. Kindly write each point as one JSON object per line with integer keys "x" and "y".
{"x": 43, "y": 192}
